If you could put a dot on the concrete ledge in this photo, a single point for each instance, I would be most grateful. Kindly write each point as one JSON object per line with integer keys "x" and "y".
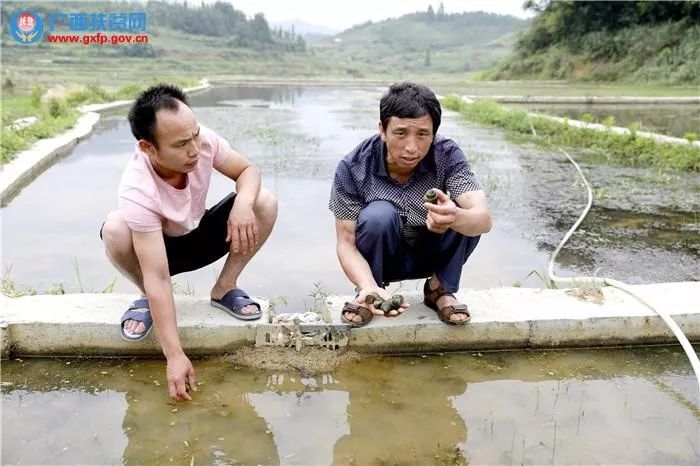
{"x": 502, "y": 318}
{"x": 660, "y": 138}
{"x": 101, "y": 108}
{"x": 419, "y": 328}
{"x": 612, "y": 331}
{"x": 515, "y": 318}
{"x": 119, "y": 104}
{"x": 88, "y": 325}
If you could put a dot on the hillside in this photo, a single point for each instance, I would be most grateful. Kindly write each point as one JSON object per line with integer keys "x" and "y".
{"x": 218, "y": 41}
{"x": 629, "y": 42}
{"x": 202, "y": 40}
{"x": 425, "y": 42}
{"x": 218, "y": 19}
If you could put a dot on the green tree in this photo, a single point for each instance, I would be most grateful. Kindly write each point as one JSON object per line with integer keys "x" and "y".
{"x": 260, "y": 29}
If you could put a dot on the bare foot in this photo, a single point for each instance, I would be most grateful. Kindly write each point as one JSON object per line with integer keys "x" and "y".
{"x": 134, "y": 327}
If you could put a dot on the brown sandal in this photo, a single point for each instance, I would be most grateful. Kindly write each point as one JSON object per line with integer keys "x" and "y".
{"x": 431, "y": 298}
{"x": 361, "y": 311}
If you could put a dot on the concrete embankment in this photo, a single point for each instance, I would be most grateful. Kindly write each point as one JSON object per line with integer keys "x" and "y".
{"x": 596, "y": 126}
{"x": 582, "y": 100}
{"x": 502, "y": 318}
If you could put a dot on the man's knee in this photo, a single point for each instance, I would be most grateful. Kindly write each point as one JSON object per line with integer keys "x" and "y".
{"x": 116, "y": 234}
{"x": 266, "y": 205}
{"x": 455, "y": 244}
{"x": 379, "y": 217}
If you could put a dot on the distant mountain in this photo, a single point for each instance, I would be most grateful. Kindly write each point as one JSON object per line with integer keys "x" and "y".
{"x": 303, "y": 28}
{"x": 427, "y": 42}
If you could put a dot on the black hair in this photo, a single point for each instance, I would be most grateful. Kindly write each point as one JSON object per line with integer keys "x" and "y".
{"x": 142, "y": 115}
{"x": 409, "y": 100}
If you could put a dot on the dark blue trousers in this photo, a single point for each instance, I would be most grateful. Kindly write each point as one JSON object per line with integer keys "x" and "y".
{"x": 379, "y": 238}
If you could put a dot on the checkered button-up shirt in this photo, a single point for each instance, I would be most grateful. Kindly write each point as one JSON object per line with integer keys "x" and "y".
{"x": 362, "y": 177}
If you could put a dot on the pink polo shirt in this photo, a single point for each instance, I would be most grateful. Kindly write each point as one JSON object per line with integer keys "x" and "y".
{"x": 148, "y": 203}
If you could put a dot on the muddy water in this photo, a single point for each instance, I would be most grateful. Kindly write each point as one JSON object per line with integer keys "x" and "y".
{"x": 578, "y": 407}
{"x": 644, "y": 226}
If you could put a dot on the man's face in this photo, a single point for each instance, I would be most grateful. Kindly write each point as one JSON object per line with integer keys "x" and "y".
{"x": 177, "y": 136}
{"x": 407, "y": 141}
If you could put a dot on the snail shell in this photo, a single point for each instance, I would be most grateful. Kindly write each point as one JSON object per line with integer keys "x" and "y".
{"x": 430, "y": 196}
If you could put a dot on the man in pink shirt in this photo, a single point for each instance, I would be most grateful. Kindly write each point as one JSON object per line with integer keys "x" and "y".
{"x": 162, "y": 228}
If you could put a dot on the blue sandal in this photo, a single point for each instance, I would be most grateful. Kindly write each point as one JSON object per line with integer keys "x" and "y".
{"x": 136, "y": 312}
{"x": 233, "y": 303}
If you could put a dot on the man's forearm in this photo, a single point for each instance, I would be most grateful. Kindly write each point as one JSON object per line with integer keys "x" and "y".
{"x": 472, "y": 222}
{"x": 160, "y": 298}
{"x": 355, "y": 266}
{"x": 248, "y": 186}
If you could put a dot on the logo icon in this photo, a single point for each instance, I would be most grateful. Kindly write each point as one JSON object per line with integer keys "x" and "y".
{"x": 26, "y": 27}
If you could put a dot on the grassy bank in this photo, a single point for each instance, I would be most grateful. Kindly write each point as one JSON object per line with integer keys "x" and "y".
{"x": 623, "y": 42}
{"x": 56, "y": 112}
{"x": 607, "y": 146}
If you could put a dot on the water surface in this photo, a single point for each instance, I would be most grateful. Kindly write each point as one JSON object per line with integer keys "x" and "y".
{"x": 574, "y": 407}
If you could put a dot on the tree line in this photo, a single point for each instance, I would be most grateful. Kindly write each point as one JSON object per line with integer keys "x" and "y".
{"x": 566, "y": 22}
{"x": 221, "y": 19}
{"x": 612, "y": 41}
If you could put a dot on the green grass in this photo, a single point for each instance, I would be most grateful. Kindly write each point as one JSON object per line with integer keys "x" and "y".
{"x": 55, "y": 116}
{"x": 607, "y": 146}
{"x": 12, "y": 290}
{"x": 664, "y": 53}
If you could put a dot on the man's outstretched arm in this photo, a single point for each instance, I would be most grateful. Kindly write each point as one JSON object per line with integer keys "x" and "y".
{"x": 469, "y": 215}
{"x": 150, "y": 251}
{"x": 354, "y": 264}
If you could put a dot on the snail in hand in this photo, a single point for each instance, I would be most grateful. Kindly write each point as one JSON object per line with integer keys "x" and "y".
{"x": 386, "y": 305}
{"x": 430, "y": 196}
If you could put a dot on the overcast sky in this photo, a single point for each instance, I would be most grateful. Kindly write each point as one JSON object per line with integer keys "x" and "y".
{"x": 341, "y": 14}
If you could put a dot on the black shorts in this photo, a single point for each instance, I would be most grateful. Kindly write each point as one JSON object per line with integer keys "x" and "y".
{"x": 202, "y": 246}
{"x": 205, "y": 244}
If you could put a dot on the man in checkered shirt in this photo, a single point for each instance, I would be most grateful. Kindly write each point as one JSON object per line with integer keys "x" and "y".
{"x": 385, "y": 231}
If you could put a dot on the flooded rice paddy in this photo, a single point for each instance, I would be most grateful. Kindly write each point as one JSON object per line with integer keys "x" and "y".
{"x": 643, "y": 228}
{"x": 576, "y": 407}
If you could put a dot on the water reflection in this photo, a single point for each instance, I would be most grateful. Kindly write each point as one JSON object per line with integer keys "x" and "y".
{"x": 498, "y": 408}
{"x": 69, "y": 426}
{"x": 400, "y": 413}
{"x": 568, "y": 417}
{"x": 280, "y": 95}
{"x": 312, "y": 437}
